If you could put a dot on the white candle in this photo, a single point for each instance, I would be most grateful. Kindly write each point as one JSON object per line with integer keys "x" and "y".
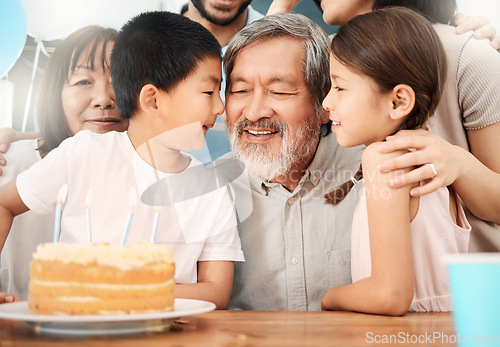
{"x": 132, "y": 199}
{"x": 156, "y": 217}
{"x": 61, "y": 198}
{"x": 87, "y": 216}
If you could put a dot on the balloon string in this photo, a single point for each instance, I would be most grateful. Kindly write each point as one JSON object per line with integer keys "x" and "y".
{"x": 44, "y": 50}
{"x": 39, "y": 48}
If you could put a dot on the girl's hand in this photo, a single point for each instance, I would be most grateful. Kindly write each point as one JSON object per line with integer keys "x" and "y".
{"x": 6, "y": 298}
{"x": 424, "y": 148}
{"x": 481, "y": 26}
{"x": 282, "y": 6}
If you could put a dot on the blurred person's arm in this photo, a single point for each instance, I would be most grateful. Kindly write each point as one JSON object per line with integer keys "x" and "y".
{"x": 9, "y": 135}
{"x": 282, "y": 6}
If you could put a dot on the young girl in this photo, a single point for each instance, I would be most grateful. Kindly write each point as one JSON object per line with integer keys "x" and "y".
{"x": 387, "y": 70}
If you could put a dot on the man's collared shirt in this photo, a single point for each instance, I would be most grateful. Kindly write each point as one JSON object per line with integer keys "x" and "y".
{"x": 296, "y": 247}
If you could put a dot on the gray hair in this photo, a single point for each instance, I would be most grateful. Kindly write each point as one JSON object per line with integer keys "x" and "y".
{"x": 316, "y": 45}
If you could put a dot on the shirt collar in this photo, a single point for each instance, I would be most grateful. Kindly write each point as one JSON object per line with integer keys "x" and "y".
{"x": 322, "y": 158}
{"x": 321, "y": 161}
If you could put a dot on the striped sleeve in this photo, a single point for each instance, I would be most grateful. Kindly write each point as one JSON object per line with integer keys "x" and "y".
{"x": 478, "y": 79}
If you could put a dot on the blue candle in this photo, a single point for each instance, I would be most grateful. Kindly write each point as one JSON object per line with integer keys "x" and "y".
{"x": 155, "y": 217}
{"x": 155, "y": 224}
{"x": 132, "y": 198}
{"x": 87, "y": 216}
{"x": 61, "y": 198}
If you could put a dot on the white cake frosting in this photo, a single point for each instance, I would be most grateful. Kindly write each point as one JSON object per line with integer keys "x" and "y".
{"x": 127, "y": 257}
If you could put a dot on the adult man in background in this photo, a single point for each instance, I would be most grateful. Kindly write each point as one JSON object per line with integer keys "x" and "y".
{"x": 222, "y": 18}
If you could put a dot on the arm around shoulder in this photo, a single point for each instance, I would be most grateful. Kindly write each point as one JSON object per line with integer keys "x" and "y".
{"x": 479, "y": 182}
{"x": 480, "y": 179}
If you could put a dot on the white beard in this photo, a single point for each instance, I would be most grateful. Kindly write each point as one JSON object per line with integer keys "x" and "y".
{"x": 261, "y": 162}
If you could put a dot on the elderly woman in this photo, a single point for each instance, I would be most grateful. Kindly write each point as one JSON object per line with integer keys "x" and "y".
{"x": 75, "y": 93}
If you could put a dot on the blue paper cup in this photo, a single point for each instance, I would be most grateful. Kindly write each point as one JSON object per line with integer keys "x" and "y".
{"x": 475, "y": 287}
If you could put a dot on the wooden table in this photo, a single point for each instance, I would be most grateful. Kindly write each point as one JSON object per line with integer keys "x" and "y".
{"x": 257, "y": 328}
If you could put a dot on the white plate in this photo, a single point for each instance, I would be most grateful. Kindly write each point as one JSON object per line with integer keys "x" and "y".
{"x": 104, "y": 324}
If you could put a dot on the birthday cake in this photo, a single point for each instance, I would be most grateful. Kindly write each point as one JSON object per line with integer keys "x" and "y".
{"x": 91, "y": 279}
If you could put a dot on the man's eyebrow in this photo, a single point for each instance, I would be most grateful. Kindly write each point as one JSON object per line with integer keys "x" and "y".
{"x": 281, "y": 79}
{"x": 276, "y": 79}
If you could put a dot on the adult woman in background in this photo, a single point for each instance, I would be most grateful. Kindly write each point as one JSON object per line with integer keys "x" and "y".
{"x": 75, "y": 93}
{"x": 468, "y": 118}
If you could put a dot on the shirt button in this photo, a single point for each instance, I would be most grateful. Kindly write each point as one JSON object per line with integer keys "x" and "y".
{"x": 291, "y": 201}
{"x": 294, "y": 261}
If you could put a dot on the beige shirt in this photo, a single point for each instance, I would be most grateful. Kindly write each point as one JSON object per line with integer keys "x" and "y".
{"x": 470, "y": 101}
{"x": 296, "y": 247}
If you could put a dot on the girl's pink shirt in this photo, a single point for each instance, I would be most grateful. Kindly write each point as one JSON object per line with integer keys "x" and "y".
{"x": 433, "y": 234}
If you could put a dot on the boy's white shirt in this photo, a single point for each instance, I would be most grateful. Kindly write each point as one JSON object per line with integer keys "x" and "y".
{"x": 201, "y": 228}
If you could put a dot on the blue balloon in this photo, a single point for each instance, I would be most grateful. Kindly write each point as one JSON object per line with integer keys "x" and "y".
{"x": 12, "y": 33}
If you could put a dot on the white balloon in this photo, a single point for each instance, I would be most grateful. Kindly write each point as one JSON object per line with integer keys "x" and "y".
{"x": 55, "y": 19}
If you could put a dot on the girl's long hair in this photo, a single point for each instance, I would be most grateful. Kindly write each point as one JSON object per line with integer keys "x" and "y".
{"x": 392, "y": 46}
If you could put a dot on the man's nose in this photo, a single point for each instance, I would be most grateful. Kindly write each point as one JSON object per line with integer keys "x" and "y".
{"x": 257, "y": 107}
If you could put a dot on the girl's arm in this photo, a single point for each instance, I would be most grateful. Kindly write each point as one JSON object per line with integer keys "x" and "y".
{"x": 389, "y": 289}
{"x": 475, "y": 177}
{"x": 215, "y": 282}
{"x": 11, "y": 205}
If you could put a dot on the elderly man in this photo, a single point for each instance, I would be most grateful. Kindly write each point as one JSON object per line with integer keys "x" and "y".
{"x": 295, "y": 246}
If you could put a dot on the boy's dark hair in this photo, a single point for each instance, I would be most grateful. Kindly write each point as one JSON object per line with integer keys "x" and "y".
{"x": 437, "y": 11}
{"x": 160, "y": 48}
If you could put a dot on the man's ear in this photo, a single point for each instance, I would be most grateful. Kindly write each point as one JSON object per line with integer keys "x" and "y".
{"x": 148, "y": 98}
{"x": 403, "y": 101}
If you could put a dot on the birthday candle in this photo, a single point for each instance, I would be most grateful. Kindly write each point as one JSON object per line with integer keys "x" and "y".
{"x": 132, "y": 199}
{"x": 155, "y": 217}
{"x": 61, "y": 198}
{"x": 155, "y": 224}
{"x": 87, "y": 216}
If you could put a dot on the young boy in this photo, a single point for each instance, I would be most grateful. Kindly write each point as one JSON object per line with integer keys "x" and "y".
{"x": 166, "y": 72}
